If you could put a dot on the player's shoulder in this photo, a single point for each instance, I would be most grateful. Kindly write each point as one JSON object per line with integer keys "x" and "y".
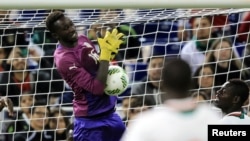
{"x": 246, "y": 117}
{"x": 62, "y": 55}
{"x": 229, "y": 120}
{"x": 207, "y": 113}
{"x": 153, "y": 118}
{"x": 85, "y": 42}
{"x": 234, "y": 120}
{"x": 206, "y": 108}
{"x": 64, "y": 58}
{"x": 146, "y": 118}
{"x": 154, "y": 113}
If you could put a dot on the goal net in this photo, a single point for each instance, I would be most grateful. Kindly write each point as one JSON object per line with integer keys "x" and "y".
{"x": 28, "y": 73}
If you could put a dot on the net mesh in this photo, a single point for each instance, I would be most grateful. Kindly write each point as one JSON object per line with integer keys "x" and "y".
{"x": 149, "y": 33}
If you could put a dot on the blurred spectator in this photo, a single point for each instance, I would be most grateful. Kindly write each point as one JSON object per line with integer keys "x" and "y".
{"x": 4, "y": 53}
{"x": 200, "y": 96}
{"x": 224, "y": 59}
{"x": 38, "y": 129}
{"x": 4, "y": 14}
{"x": 183, "y": 30}
{"x": 66, "y": 97}
{"x": 243, "y": 36}
{"x": 126, "y": 104}
{"x": 69, "y": 132}
{"x": 22, "y": 120}
{"x": 6, "y": 102}
{"x": 14, "y": 35}
{"x": 136, "y": 71}
{"x": 246, "y": 57}
{"x": 44, "y": 44}
{"x": 27, "y": 101}
{"x": 20, "y": 80}
{"x": 150, "y": 84}
{"x": 2, "y": 57}
{"x": 219, "y": 22}
{"x": 59, "y": 122}
{"x": 43, "y": 40}
{"x": 45, "y": 67}
{"x": 194, "y": 51}
{"x": 244, "y": 28}
{"x": 203, "y": 80}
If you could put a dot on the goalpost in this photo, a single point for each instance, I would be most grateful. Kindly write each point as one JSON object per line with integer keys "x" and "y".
{"x": 29, "y": 4}
{"x": 160, "y": 30}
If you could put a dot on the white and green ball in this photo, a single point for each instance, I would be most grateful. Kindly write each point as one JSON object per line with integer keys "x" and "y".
{"x": 117, "y": 81}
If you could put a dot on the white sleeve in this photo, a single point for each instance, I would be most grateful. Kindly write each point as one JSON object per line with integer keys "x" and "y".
{"x": 186, "y": 54}
{"x": 136, "y": 131}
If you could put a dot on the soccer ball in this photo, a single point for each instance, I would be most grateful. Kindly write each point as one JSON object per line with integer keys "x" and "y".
{"x": 117, "y": 81}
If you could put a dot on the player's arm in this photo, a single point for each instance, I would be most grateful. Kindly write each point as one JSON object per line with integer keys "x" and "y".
{"x": 109, "y": 46}
{"x": 79, "y": 78}
{"x": 102, "y": 73}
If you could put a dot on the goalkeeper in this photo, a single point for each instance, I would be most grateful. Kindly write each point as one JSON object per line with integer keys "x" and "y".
{"x": 86, "y": 72}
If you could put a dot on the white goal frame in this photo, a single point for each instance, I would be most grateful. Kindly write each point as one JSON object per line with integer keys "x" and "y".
{"x": 41, "y": 4}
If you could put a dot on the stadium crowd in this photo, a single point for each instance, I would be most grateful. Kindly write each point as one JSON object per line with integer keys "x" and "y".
{"x": 216, "y": 48}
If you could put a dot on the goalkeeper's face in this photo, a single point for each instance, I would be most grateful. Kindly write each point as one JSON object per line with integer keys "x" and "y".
{"x": 65, "y": 30}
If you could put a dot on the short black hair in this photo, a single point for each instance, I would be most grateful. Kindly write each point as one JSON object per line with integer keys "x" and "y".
{"x": 154, "y": 57}
{"x": 239, "y": 88}
{"x": 176, "y": 75}
{"x": 52, "y": 18}
{"x": 209, "y": 18}
{"x": 39, "y": 103}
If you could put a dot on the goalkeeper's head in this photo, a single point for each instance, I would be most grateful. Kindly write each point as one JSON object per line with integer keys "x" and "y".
{"x": 176, "y": 78}
{"x": 61, "y": 28}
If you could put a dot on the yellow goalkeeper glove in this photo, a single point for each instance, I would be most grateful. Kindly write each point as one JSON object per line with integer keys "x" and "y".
{"x": 109, "y": 45}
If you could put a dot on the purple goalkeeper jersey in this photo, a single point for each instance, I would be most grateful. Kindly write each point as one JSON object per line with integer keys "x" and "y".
{"x": 78, "y": 67}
